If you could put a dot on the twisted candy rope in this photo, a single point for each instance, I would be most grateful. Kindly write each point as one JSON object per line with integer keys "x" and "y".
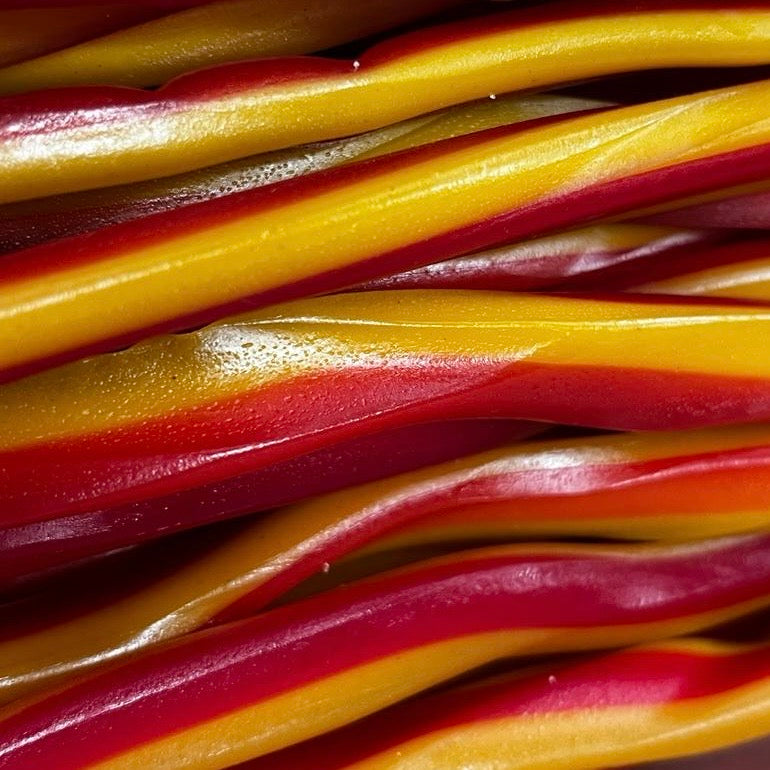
{"x": 31, "y": 550}
{"x": 342, "y": 226}
{"x": 610, "y": 257}
{"x": 244, "y": 689}
{"x": 659, "y": 701}
{"x": 747, "y": 208}
{"x": 684, "y": 485}
{"x": 188, "y": 410}
{"x": 27, "y": 223}
{"x": 101, "y": 137}
{"x": 153, "y": 52}
{"x": 745, "y": 276}
{"x": 565, "y": 260}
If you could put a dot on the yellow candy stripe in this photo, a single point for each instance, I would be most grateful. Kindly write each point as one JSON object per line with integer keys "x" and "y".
{"x": 646, "y": 703}
{"x": 151, "y": 53}
{"x": 244, "y": 689}
{"x": 186, "y": 410}
{"x": 566, "y": 259}
{"x": 287, "y": 720}
{"x": 28, "y": 223}
{"x": 749, "y": 280}
{"x": 235, "y": 112}
{"x": 689, "y": 484}
{"x": 409, "y": 209}
{"x": 169, "y": 375}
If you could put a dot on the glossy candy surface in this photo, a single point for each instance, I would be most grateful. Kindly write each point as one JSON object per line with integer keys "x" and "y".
{"x": 659, "y": 701}
{"x": 686, "y": 485}
{"x": 149, "y": 54}
{"x": 742, "y": 280}
{"x": 738, "y": 268}
{"x": 97, "y": 137}
{"x": 27, "y": 550}
{"x": 338, "y": 227}
{"x": 28, "y": 223}
{"x": 562, "y": 260}
{"x": 747, "y": 208}
{"x": 735, "y": 253}
{"x": 242, "y": 690}
{"x": 187, "y": 410}
{"x": 266, "y": 376}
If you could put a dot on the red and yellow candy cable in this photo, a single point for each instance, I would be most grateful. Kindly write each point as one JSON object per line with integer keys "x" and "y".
{"x": 34, "y": 549}
{"x": 342, "y": 226}
{"x": 185, "y": 410}
{"x": 633, "y": 486}
{"x": 152, "y": 53}
{"x": 28, "y": 223}
{"x": 682, "y": 485}
{"x": 560, "y": 260}
{"x": 736, "y": 269}
{"x": 748, "y": 280}
{"x": 749, "y": 209}
{"x": 241, "y": 690}
{"x": 611, "y": 255}
{"x": 740, "y": 211}
{"x": 99, "y": 137}
{"x": 664, "y": 700}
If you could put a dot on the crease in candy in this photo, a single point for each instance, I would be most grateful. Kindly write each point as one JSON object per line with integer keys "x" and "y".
{"x": 559, "y": 260}
{"x": 743, "y": 280}
{"x": 735, "y": 270}
{"x": 743, "y": 209}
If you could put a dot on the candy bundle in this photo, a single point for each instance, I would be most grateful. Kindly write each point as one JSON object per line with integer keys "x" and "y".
{"x": 384, "y": 385}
